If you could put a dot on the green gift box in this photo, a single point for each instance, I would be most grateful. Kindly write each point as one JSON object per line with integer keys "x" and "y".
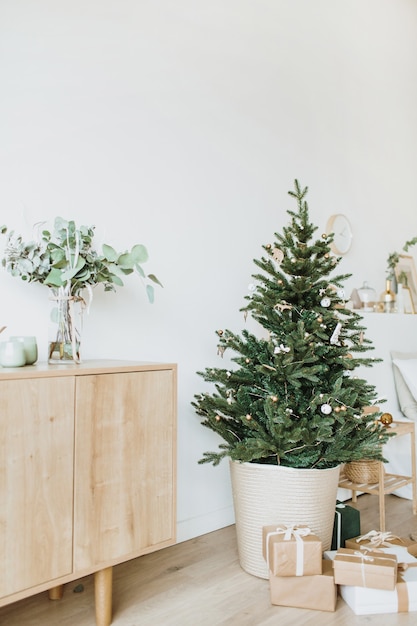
{"x": 347, "y": 524}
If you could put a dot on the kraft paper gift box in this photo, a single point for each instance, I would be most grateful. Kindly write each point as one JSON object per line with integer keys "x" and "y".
{"x": 347, "y": 524}
{"x": 317, "y": 592}
{"x": 361, "y": 568}
{"x": 403, "y": 599}
{"x": 292, "y": 550}
{"x": 375, "y": 539}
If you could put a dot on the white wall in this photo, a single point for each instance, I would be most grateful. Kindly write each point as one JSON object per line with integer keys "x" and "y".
{"x": 182, "y": 125}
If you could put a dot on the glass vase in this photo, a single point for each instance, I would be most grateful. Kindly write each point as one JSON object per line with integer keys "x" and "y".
{"x": 65, "y": 327}
{"x": 367, "y": 296}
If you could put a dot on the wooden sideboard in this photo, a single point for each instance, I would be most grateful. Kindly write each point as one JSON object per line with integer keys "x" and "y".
{"x": 87, "y": 473}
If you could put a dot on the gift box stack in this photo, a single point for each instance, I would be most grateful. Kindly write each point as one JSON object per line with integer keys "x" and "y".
{"x": 298, "y": 574}
{"x": 374, "y": 573}
{"x": 377, "y": 573}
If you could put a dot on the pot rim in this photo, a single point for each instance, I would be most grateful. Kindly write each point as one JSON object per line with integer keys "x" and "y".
{"x": 272, "y": 467}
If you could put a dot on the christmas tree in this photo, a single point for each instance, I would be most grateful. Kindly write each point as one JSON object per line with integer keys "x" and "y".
{"x": 291, "y": 396}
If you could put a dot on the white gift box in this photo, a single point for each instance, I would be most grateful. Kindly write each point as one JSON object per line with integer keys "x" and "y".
{"x": 367, "y": 601}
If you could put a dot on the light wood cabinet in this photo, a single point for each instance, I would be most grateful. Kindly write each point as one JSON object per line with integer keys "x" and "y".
{"x": 36, "y": 475}
{"x": 87, "y": 474}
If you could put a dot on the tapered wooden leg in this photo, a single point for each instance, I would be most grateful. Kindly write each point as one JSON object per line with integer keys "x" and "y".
{"x": 56, "y": 593}
{"x": 103, "y": 586}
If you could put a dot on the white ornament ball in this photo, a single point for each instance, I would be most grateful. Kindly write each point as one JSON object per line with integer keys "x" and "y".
{"x": 326, "y": 409}
{"x": 326, "y": 302}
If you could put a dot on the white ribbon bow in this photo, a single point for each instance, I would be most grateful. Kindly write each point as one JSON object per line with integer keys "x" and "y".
{"x": 293, "y": 530}
{"x": 377, "y": 538}
{"x": 290, "y": 531}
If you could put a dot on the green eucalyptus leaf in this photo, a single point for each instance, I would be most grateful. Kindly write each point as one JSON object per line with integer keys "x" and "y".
{"x": 60, "y": 224}
{"x": 110, "y": 253}
{"x": 110, "y": 269}
{"x": 69, "y": 273}
{"x": 154, "y": 279}
{"x": 126, "y": 260}
{"x": 117, "y": 281}
{"x": 139, "y": 253}
{"x": 83, "y": 275}
{"x": 151, "y": 293}
{"x": 54, "y": 278}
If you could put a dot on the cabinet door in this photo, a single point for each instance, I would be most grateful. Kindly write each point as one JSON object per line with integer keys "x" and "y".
{"x": 124, "y": 465}
{"x": 36, "y": 481}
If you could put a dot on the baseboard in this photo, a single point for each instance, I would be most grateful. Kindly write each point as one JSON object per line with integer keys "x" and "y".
{"x": 200, "y": 525}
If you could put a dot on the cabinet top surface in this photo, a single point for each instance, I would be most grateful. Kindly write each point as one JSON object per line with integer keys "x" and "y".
{"x": 100, "y": 366}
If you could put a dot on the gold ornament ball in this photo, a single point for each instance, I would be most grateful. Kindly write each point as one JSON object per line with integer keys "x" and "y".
{"x": 248, "y": 417}
{"x": 219, "y": 332}
{"x": 324, "y": 236}
{"x": 218, "y": 418}
{"x": 274, "y": 398}
{"x": 247, "y": 360}
{"x": 386, "y": 419}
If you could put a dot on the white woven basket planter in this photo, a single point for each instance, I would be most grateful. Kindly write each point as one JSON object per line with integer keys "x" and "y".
{"x": 272, "y": 494}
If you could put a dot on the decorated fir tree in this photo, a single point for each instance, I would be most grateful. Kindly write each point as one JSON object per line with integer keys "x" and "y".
{"x": 292, "y": 397}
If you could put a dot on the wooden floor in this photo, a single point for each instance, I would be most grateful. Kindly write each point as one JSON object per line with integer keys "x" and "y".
{"x": 200, "y": 583}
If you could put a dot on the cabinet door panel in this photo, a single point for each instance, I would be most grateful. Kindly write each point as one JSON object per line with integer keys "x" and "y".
{"x": 36, "y": 481}
{"x": 124, "y": 476}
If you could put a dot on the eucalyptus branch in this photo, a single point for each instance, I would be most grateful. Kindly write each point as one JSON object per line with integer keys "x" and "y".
{"x": 394, "y": 257}
{"x": 409, "y": 244}
{"x": 67, "y": 258}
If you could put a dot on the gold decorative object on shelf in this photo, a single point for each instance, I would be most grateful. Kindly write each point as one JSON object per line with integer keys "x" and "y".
{"x": 388, "y": 298}
{"x": 386, "y": 419}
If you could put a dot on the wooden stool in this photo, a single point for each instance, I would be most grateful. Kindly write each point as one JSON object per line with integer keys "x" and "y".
{"x": 388, "y": 483}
